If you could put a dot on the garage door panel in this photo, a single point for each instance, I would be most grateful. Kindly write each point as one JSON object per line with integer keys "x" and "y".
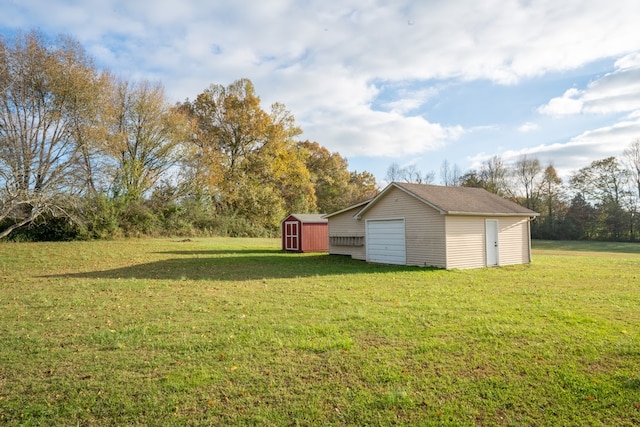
{"x": 389, "y": 248}
{"x": 386, "y": 228}
{"x": 386, "y": 241}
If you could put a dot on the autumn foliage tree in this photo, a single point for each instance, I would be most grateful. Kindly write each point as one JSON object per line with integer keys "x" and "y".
{"x": 246, "y": 158}
{"x": 143, "y": 137}
{"x": 47, "y": 92}
{"x": 334, "y": 185}
{"x": 114, "y": 157}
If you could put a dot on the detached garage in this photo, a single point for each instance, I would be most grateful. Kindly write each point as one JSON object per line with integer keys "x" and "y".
{"x": 429, "y": 225}
{"x": 305, "y": 233}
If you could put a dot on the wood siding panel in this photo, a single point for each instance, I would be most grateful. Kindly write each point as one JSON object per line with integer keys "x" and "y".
{"x": 424, "y": 227}
{"x": 314, "y": 238}
{"x": 345, "y": 225}
{"x": 465, "y": 242}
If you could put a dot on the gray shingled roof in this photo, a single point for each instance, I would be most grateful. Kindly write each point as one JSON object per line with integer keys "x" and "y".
{"x": 461, "y": 200}
{"x": 310, "y": 218}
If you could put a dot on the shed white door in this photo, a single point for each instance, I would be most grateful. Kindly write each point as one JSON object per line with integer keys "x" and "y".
{"x": 491, "y": 229}
{"x": 291, "y": 236}
{"x": 386, "y": 241}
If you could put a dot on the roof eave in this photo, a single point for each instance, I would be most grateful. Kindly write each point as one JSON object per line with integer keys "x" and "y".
{"x": 346, "y": 209}
{"x": 460, "y": 213}
{"x": 359, "y": 214}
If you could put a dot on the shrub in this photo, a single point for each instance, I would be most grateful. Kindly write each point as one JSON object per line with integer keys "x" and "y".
{"x": 138, "y": 220}
{"x": 49, "y": 228}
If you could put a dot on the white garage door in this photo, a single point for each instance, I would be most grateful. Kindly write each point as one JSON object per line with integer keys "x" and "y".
{"x": 385, "y": 241}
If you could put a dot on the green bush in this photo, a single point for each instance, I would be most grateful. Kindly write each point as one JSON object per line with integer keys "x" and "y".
{"x": 137, "y": 220}
{"x": 48, "y": 228}
{"x": 101, "y": 217}
{"x": 234, "y": 226}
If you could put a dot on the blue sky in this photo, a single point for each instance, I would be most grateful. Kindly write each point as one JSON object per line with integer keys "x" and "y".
{"x": 412, "y": 82}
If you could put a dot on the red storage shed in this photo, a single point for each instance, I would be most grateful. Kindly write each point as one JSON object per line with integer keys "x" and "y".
{"x": 305, "y": 233}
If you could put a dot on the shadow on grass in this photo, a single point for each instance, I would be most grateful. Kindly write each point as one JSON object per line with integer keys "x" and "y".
{"x": 586, "y": 246}
{"x": 242, "y": 265}
{"x": 237, "y": 252}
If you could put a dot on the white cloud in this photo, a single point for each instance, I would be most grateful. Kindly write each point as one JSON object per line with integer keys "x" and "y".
{"x": 528, "y": 127}
{"x": 322, "y": 58}
{"x": 569, "y": 103}
{"x": 408, "y": 100}
{"x": 615, "y": 92}
{"x": 418, "y": 40}
{"x": 628, "y": 61}
{"x": 579, "y": 151}
{"x": 634, "y": 115}
{"x": 363, "y": 132}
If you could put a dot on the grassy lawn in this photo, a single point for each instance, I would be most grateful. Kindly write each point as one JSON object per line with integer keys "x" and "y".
{"x": 235, "y": 332}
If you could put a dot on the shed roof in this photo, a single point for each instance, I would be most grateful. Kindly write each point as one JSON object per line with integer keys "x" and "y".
{"x": 309, "y": 218}
{"x": 457, "y": 200}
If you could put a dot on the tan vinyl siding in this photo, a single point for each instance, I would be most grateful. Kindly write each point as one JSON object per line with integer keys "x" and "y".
{"x": 345, "y": 225}
{"x": 424, "y": 226}
{"x": 465, "y": 242}
{"x": 514, "y": 241}
{"x": 455, "y": 240}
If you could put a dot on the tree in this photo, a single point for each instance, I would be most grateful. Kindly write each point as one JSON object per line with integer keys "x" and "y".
{"x": 48, "y": 89}
{"x": 493, "y": 175}
{"x": 395, "y": 172}
{"x": 363, "y": 187}
{"x": 90, "y": 131}
{"x": 329, "y": 175}
{"x": 284, "y": 164}
{"x": 603, "y": 183}
{"x": 251, "y": 165}
{"x": 450, "y": 175}
{"x": 631, "y": 159}
{"x": 414, "y": 175}
{"x": 549, "y": 192}
{"x": 580, "y": 220}
{"x": 232, "y": 126}
{"x": 409, "y": 173}
{"x": 335, "y": 187}
{"x": 144, "y": 135}
{"x": 527, "y": 172}
{"x": 471, "y": 179}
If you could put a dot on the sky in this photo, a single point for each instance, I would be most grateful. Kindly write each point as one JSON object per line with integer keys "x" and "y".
{"x": 410, "y": 82}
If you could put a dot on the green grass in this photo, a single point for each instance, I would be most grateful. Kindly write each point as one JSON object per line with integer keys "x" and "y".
{"x": 236, "y": 332}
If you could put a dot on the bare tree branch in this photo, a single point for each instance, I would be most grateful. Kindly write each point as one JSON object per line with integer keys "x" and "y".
{"x": 45, "y": 88}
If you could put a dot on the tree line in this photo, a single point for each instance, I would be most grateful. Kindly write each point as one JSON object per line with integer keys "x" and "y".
{"x": 600, "y": 201}
{"x": 86, "y": 154}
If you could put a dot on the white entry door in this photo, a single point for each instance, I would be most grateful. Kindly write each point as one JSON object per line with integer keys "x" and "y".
{"x": 386, "y": 241}
{"x": 491, "y": 229}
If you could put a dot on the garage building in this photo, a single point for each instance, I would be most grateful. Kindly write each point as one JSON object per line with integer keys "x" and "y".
{"x": 430, "y": 225}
